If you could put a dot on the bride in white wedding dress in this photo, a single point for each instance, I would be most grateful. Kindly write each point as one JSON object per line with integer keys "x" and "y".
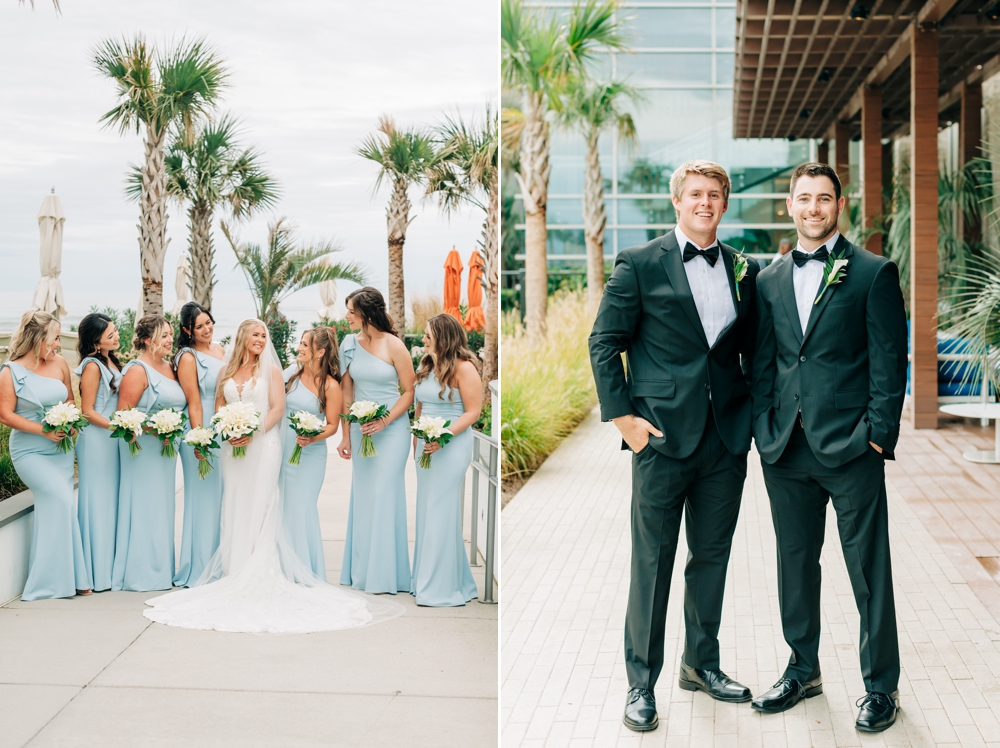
{"x": 255, "y": 582}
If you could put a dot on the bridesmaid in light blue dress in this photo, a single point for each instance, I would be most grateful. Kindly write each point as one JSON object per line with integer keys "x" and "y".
{"x": 35, "y": 379}
{"x": 97, "y": 453}
{"x": 377, "y": 367}
{"x": 144, "y": 543}
{"x": 198, "y": 362}
{"x": 441, "y": 573}
{"x": 318, "y": 362}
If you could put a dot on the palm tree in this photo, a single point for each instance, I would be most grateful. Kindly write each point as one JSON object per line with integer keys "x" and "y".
{"x": 156, "y": 91}
{"x": 208, "y": 171}
{"x": 541, "y": 54}
{"x": 467, "y": 171}
{"x": 55, "y": 4}
{"x": 404, "y": 157}
{"x": 596, "y": 107}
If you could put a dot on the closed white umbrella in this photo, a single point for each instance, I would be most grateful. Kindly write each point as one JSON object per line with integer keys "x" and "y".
{"x": 327, "y": 295}
{"x": 49, "y": 293}
{"x": 182, "y": 284}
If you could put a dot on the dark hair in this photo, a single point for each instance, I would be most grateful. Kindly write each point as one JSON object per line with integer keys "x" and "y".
{"x": 146, "y": 328}
{"x": 189, "y": 316}
{"x": 321, "y": 338}
{"x": 369, "y": 305}
{"x": 451, "y": 346}
{"x": 815, "y": 170}
{"x": 91, "y": 330}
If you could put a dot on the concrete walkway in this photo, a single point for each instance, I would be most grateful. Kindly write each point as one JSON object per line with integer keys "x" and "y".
{"x": 566, "y": 563}
{"x": 92, "y": 671}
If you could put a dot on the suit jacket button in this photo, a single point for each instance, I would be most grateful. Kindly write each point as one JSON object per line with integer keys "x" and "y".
{"x": 708, "y": 387}
{"x": 802, "y": 359}
{"x": 796, "y": 395}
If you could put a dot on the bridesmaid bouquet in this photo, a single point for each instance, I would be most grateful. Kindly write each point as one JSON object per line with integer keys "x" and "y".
{"x": 432, "y": 429}
{"x": 303, "y": 423}
{"x": 235, "y": 420}
{"x": 202, "y": 439}
{"x": 365, "y": 411}
{"x": 167, "y": 424}
{"x": 127, "y": 425}
{"x": 63, "y": 418}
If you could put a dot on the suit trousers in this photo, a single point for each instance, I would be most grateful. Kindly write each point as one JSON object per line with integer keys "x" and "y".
{"x": 799, "y": 488}
{"x": 706, "y": 488}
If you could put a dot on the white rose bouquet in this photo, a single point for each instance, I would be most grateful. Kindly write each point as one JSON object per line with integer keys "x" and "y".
{"x": 127, "y": 425}
{"x": 432, "y": 429}
{"x": 63, "y": 418}
{"x": 166, "y": 424}
{"x": 202, "y": 439}
{"x": 362, "y": 412}
{"x": 304, "y": 423}
{"x": 235, "y": 420}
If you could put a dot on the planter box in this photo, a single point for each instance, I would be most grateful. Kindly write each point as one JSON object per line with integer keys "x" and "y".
{"x": 17, "y": 516}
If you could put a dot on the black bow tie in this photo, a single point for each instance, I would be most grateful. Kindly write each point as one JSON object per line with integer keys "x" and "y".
{"x": 711, "y": 254}
{"x": 801, "y": 258}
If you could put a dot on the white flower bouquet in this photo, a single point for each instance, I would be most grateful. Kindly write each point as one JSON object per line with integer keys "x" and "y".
{"x": 203, "y": 440}
{"x": 432, "y": 429}
{"x": 166, "y": 424}
{"x": 127, "y": 425}
{"x": 362, "y": 412}
{"x": 63, "y": 418}
{"x": 236, "y": 420}
{"x": 304, "y": 423}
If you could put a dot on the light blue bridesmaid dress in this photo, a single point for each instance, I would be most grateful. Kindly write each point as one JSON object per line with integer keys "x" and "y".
{"x": 441, "y": 573}
{"x": 202, "y": 498}
{"x": 56, "y": 567}
{"x": 300, "y": 484}
{"x": 376, "y": 555}
{"x": 100, "y": 472}
{"x": 144, "y": 543}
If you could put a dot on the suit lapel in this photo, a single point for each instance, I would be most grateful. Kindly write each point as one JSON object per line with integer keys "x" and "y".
{"x": 673, "y": 264}
{"x": 786, "y": 290}
{"x": 842, "y": 247}
{"x": 726, "y": 255}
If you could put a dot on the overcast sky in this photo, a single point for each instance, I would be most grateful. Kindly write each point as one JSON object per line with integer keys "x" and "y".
{"x": 308, "y": 80}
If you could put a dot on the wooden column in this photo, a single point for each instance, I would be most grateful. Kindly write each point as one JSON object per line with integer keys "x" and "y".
{"x": 871, "y": 163}
{"x": 823, "y": 152}
{"x": 841, "y": 151}
{"x": 970, "y": 134}
{"x": 923, "y": 226}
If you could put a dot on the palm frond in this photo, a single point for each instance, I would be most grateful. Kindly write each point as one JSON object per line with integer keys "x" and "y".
{"x": 404, "y": 155}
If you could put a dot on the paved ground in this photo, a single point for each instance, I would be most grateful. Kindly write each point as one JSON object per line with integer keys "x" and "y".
{"x": 94, "y": 672}
{"x": 566, "y": 554}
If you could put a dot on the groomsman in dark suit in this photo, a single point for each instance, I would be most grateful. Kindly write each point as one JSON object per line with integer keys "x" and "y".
{"x": 681, "y": 308}
{"x": 829, "y": 378}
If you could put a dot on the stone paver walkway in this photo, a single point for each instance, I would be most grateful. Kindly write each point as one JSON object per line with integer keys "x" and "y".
{"x": 566, "y": 558}
{"x": 92, "y": 671}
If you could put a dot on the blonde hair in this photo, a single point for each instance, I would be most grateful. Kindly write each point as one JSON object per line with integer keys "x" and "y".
{"x": 34, "y": 330}
{"x": 241, "y": 352}
{"x": 148, "y": 330}
{"x": 706, "y": 169}
{"x": 451, "y": 346}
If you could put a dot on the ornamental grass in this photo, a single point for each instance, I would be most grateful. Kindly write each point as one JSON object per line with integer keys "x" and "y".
{"x": 10, "y": 482}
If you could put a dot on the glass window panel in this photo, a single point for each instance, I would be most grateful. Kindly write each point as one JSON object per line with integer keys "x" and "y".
{"x": 665, "y": 68}
{"x": 568, "y": 158}
{"x": 760, "y": 210}
{"x": 634, "y": 237}
{"x": 724, "y": 68}
{"x": 672, "y": 27}
{"x": 755, "y": 241}
{"x": 569, "y": 211}
{"x": 725, "y": 28}
{"x": 566, "y": 242}
{"x": 648, "y": 210}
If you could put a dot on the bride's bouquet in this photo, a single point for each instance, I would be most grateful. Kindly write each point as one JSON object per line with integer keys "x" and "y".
{"x": 127, "y": 425}
{"x": 432, "y": 429}
{"x": 362, "y": 412}
{"x": 304, "y": 423}
{"x": 202, "y": 439}
{"x": 167, "y": 424}
{"x": 235, "y": 420}
{"x": 63, "y": 418}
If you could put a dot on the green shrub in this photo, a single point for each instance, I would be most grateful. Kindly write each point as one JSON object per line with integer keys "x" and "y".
{"x": 485, "y": 422}
{"x": 282, "y": 331}
{"x": 341, "y": 326}
{"x": 10, "y": 481}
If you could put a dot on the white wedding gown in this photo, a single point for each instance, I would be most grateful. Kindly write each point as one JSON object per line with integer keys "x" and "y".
{"x": 255, "y": 582}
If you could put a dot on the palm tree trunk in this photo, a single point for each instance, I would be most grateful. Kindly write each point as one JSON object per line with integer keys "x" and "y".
{"x": 534, "y": 183}
{"x": 397, "y": 220}
{"x": 153, "y": 222}
{"x": 202, "y": 254}
{"x": 491, "y": 278}
{"x": 594, "y": 221}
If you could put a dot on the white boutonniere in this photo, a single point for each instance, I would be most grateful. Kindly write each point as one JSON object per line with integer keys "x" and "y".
{"x": 833, "y": 273}
{"x": 739, "y": 271}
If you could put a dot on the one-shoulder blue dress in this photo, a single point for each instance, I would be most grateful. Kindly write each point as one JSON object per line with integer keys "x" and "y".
{"x": 100, "y": 472}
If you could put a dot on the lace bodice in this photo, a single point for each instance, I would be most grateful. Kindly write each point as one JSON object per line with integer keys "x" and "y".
{"x": 252, "y": 391}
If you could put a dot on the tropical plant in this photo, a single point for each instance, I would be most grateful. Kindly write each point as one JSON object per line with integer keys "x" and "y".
{"x": 207, "y": 171}
{"x": 155, "y": 91}
{"x": 596, "y": 107}
{"x": 541, "y": 54}
{"x": 10, "y": 481}
{"x": 467, "y": 170}
{"x": 404, "y": 157}
{"x": 55, "y": 4}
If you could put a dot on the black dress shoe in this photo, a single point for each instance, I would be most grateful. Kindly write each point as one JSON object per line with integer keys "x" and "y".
{"x": 878, "y": 711}
{"x": 640, "y": 710}
{"x": 786, "y": 693}
{"x": 715, "y": 683}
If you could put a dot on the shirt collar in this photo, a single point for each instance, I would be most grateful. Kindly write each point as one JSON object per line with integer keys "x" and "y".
{"x": 830, "y": 244}
{"x": 682, "y": 240}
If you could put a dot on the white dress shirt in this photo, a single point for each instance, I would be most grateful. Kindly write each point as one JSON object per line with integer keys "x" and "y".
{"x": 710, "y": 288}
{"x": 806, "y": 280}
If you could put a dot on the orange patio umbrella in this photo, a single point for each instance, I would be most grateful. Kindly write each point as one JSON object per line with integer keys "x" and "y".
{"x": 474, "y": 318}
{"x": 453, "y": 284}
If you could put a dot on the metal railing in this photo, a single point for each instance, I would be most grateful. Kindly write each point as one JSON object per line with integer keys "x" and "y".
{"x": 487, "y": 463}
